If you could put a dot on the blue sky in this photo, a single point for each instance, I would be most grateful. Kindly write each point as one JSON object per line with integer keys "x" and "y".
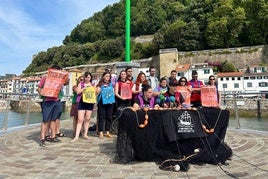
{"x": 30, "y": 26}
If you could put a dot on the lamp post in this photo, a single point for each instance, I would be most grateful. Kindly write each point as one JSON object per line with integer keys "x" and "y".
{"x": 127, "y": 28}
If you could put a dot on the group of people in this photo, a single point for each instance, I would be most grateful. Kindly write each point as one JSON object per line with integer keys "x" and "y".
{"x": 112, "y": 95}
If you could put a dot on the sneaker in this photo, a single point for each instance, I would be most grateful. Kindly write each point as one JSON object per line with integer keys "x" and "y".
{"x": 55, "y": 139}
{"x": 101, "y": 135}
{"x": 108, "y": 135}
{"x": 42, "y": 143}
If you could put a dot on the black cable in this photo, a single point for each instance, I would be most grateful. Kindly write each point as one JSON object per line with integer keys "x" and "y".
{"x": 211, "y": 152}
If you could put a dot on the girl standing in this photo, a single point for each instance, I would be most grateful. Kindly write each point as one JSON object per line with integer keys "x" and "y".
{"x": 85, "y": 107}
{"x": 105, "y": 91}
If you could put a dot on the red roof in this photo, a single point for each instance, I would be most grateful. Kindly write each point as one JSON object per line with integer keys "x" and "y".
{"x": 182, "y": 67}
{"x": 230, "y": 74}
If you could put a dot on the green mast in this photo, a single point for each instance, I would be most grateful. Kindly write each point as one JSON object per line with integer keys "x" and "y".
{"x": 127, "y": 28}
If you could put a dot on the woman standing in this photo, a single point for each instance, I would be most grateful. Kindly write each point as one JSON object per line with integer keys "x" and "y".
{"x": 74, "y": 110}
{"x": 136, "y": 89}
{"x": 185, "y": 90}
{"x": 212, "y": 82}
{"x": 123, "y": 91}
{"x": 85, "y": 107}
{"x": 105, "y": 91}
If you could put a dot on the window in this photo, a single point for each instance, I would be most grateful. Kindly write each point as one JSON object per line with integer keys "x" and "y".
{"x": 246, "y": 78}
{"x": 233, "y": 78}
{"x": 224, "y": 85}
{"x": 221, "y": 79}
{"x": 259, "y": 77}
{"x": 263, "y": 84}
{"x": 249, "y": 85}
{"x": 206, "y": 71}
{"x": 236, "y": 85}
{"x": 227, "y": 79}
{"x": 180, "y": 74}
{"x": 252, "y": 77}
{"x": 238, "y": 78}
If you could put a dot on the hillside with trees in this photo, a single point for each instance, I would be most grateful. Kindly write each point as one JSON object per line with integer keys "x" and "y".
{"x": 187, "y": 25}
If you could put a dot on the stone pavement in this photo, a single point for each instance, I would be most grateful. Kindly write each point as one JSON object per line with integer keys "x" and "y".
{"x": 22, "y": 157}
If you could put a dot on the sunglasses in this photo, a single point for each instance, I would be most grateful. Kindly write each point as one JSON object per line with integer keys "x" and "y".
{"x": 182, "y": 81}
{"x": 212, "y": 79}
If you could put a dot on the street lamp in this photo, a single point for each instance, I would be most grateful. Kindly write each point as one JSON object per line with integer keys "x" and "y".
{"x": 127, "y": 28}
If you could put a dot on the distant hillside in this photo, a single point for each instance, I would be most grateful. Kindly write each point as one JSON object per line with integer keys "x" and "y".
{"x": 187, "y": 25}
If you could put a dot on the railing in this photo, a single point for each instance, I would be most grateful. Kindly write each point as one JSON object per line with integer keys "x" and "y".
{"x": 237, "y": 100}
{"x": 31, "y": 113}
{"x": 17, "y": 110}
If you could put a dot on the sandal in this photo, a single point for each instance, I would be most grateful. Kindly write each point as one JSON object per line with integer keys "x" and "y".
{"x": 55, "y": 139}
{"x": 60, "y": 135}
{"x": 48, "y": 138}
{"x": 42, "y": 143}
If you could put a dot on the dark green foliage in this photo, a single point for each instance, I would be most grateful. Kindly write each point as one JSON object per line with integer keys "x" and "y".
{"x": 183, "y": 24}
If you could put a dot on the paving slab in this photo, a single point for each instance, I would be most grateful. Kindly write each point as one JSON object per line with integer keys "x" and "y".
{"x": 22, "y": 157}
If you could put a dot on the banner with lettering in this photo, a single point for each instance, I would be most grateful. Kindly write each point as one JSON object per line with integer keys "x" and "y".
{"x": 89, "y": 95}
{"x": 182, "y": 124}
{"x": 209, "y": 96}
{"x": 54, "y": 81}
{"x": 185, "y": 91}
{"x": 107, "y": 94}
{"x": 126, "y": 91}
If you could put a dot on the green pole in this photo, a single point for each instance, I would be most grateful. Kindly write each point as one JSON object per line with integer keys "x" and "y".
{"x": 127, "y": 31}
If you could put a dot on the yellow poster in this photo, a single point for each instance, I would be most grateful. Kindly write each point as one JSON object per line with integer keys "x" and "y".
{"x": 89, "y": 95}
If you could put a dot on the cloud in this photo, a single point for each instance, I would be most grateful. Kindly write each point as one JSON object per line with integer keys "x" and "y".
{"x": 28, "y": 27}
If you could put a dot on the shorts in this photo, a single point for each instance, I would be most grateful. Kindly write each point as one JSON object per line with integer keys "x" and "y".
{"x": 74, "y": 110}
{"x": 51, "y": 110}
{"x": 85, "y": 106}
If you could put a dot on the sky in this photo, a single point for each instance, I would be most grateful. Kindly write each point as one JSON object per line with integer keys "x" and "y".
{"x": 31, "y": 26}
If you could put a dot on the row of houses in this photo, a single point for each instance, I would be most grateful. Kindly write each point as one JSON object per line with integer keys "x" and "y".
{"x": 245, "y": 82}
{"x": 253, "y": 81}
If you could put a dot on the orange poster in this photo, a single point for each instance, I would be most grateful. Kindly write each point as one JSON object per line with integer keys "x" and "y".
{"x": 209, "y": 96}
{"x": 185, "y": 92}
{"x": 126, "y": 91}
{"x": 54, "y": 81}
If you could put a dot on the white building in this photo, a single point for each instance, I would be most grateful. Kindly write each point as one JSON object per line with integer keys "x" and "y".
{"x": 230, "y": 82}
{"x": 203, "y": 70}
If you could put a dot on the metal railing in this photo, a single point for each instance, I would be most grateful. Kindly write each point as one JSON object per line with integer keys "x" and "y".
{"x": 17, "y": 110}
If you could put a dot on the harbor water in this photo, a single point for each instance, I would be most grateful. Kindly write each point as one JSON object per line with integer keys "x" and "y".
{"x": 18, "y": 120}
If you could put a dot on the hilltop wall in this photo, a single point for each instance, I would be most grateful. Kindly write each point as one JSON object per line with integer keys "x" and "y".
{"x": 240, "y": 57}
{"x": 167, "y": 60}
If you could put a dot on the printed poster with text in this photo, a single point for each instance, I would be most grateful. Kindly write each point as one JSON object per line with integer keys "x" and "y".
{"x": 185, "y": 92}
{"x": 126, "y": 91}
{"x": 209, "y": 96}
{"x": 89, "y": 95}
{"x": 54, "y": 81}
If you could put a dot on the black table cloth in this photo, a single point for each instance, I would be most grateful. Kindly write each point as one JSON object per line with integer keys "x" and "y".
{"x": 173, "y": 137}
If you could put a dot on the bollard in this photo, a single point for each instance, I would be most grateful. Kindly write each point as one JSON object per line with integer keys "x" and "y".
{"x": 236, "y": 112}
{"x": 259, "y": 109}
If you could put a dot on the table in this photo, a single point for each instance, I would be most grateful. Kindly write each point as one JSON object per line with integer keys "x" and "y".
{"x": 173, "y": 137}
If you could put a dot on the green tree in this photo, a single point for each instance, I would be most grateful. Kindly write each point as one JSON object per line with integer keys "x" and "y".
{"x": 228, "y": 67}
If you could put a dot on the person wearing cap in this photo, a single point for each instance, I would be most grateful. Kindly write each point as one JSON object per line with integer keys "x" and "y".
{"x": 196, "y": 85}
{"x": 172, "y": 98}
